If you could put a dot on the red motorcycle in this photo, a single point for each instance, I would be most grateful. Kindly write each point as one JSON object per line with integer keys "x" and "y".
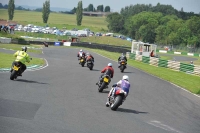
{"x": 118, "y": 98}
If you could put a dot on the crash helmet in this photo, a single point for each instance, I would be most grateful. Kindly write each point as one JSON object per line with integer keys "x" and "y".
{"x": 24, "y": 48}
{"x": 110, "y": 64}
{"x": 125, "y": 77}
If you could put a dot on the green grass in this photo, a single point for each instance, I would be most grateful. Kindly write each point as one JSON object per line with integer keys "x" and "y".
{"x": 56, "y": 20}
{"x": 165, "y": 57}
{"x": 18, "y": 47}
{"x": 7, "y": 59}
{"x": 189, "y": 82}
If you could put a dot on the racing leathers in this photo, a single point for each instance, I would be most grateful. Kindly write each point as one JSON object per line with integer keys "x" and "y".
{"x": 122, "y": 57}
{"x": 89, "y": 57}
{"x": 80, "y": 54}
{"x": 22, "y": 57}
{"x": 108, "y": 70}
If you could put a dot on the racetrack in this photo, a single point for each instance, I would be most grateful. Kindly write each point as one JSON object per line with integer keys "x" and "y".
{"x": 63, "y": 98}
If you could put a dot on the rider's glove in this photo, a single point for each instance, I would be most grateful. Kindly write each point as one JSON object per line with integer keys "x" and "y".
{"x": 114, "y": 85}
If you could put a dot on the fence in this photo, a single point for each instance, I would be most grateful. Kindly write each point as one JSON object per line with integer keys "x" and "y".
{"x": 174, "y": 65}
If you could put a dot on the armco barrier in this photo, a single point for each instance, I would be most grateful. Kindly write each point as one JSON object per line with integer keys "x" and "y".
{"x": 106, "y": 47}
{"x": 174, "y": 65}
{"x": 111, "y": 48}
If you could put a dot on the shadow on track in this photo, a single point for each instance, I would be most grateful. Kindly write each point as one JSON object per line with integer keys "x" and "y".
{"x": 131, "y": 111}
{"x": 105, "y": 91}
{"x": 95, "y": 70}
{"x": 127, "y": 72}
{"x": 29, "y": 81}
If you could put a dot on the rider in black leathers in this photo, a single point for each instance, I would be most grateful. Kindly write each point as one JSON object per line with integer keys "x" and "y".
{"x": 122, "y": 57}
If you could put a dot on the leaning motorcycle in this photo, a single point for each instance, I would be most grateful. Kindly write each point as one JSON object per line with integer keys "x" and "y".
{"x": 122, "y": 65}
{"x": 117, "y": 100}
{"x": 90, "y": 64}
{"x": 82, "y": 61}
{"x": 103, "y": 84}
{"x": 16, "y": 69}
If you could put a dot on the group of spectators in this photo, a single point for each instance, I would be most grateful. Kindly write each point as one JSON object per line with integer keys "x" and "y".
{"x": 7, "y": 28}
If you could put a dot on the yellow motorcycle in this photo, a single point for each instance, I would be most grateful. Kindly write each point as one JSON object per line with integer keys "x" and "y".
{"x": 16, "y": 69}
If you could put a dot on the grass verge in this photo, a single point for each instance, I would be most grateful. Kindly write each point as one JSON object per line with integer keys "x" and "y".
{"x": 189, "y": 82}
{"x": 7, "y": 59}
{"x": 18, "y": 47}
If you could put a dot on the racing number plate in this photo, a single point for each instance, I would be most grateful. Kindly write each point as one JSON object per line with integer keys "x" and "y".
{"x": 81, "y": 60}
{"x": 123, "y": 63}
{"x": 105, "y": 79}
{"x": 15, "y": 68}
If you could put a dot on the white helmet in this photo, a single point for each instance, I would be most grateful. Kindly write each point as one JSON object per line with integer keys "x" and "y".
{"x": 110, "y": 64}
{"x": 81, "y": 50}
{"x": 125, "y": 77}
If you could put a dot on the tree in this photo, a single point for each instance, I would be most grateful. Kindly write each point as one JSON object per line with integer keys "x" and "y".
{"x": 79, "y": 13}
{"x": 46, "y": 11}
{"x": 100, "y": 8}
{"x": 5, "y": 6}
{"x": 107, "y": 9}
{"x": 90, "y": 8}
{"x": 11, "y": 8}
{"x": 115, "y": 22}
{"x": 1, "y": 6}
{"x": 73, "y": 10}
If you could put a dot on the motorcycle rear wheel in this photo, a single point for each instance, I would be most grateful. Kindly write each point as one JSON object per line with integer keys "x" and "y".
{"x": 103, "y": 85}
{"x": 122, "y": 68}
{"x": 117, "y": 102}
{"x": 13, "y": 75}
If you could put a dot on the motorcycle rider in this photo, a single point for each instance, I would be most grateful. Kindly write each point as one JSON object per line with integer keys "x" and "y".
{"x": 123, "y": 84}
{"x": 21, "y": 57}
{"x": 121, "y": 57}
{"x": 81, "y": 54}
{"x": 89, "y": 57}
{"x": 108, "y": 70}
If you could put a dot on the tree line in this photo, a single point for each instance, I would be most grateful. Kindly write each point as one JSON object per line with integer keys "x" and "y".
{"x": 160, "y": 24}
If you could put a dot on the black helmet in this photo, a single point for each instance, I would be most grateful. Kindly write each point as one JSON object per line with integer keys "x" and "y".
{"x": 24, "y": 48}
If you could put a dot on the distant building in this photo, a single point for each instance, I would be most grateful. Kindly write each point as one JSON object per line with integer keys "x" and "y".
{"x": 96, "y": 14}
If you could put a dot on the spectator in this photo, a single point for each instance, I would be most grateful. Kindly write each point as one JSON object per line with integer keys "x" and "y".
{"x": 152, "y": 54}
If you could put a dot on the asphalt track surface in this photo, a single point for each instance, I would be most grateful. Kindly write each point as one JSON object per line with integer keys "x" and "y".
{"x": 63, "y": 98}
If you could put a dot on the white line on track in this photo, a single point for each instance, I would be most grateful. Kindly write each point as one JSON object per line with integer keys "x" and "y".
{"x": 163, "y": 126}
{"x": 40, "y": 68}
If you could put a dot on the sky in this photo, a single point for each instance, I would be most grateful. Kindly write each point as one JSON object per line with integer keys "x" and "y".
{"x": 115, "y": 5}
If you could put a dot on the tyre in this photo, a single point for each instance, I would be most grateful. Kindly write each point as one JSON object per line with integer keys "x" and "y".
{"x": 82, "y": 64}
{"x": 117, "y": 103}
{"x": 103, "y": 85}
{"x": 122, "y": 68}
{"x": 90, "y": 66}
{"x": 13, "y": 75}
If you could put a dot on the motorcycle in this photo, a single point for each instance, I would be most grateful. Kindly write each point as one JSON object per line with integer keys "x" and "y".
{"x": 45, "y": 44}
{"x": 15, "y": 71}
{"x": 117, "y": 100}
{"x": 90, "y": 64}
{"x": 82, "y": 61}
{"x": 104, "y": 83}
{"x": 122, "y": 65}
